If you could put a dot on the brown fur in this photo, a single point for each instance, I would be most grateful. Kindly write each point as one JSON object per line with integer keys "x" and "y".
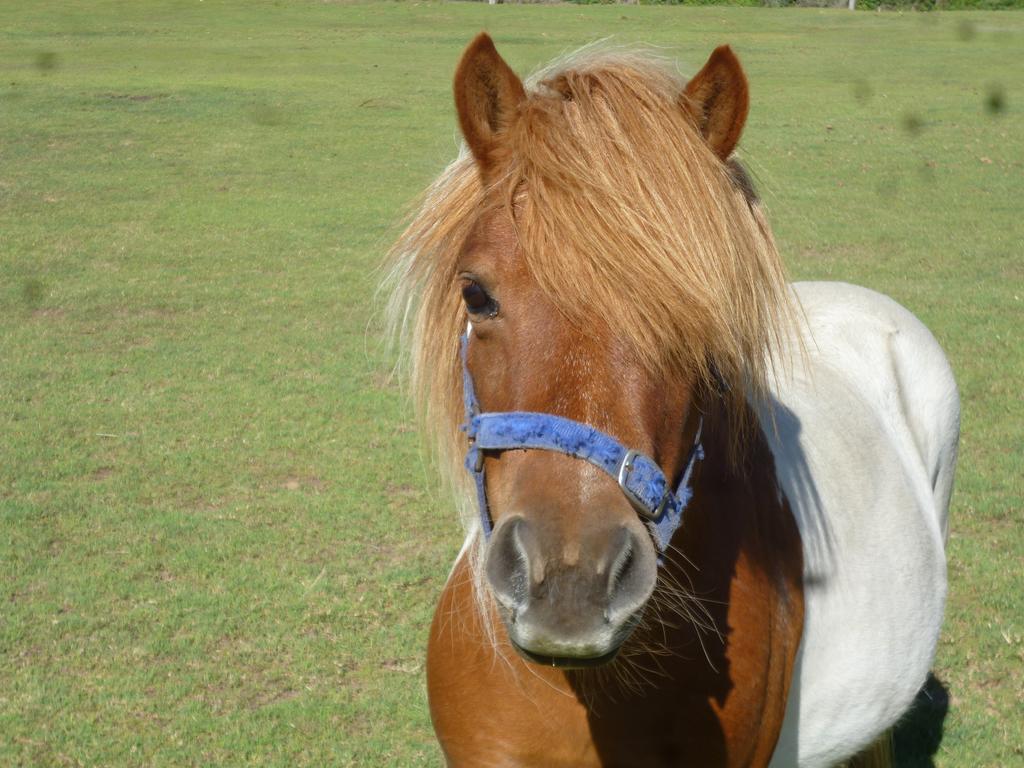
{"x": 718, "y": 99}
{"x": 484, "y": 78}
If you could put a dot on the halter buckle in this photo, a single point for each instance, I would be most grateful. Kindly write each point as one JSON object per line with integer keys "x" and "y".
{"x": 641, "y": 506}
{"x": 477, "y": 455}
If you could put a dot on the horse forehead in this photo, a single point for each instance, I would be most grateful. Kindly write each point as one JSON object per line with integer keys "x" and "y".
{"x": 492, "y": 235}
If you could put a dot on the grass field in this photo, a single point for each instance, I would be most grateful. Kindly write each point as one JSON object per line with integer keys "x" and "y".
{"x": 218, "y": 542}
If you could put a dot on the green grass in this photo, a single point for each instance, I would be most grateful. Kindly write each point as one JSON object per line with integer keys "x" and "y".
{"x": 217, "y": 539}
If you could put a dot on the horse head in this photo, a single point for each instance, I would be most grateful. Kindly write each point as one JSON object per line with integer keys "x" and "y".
{"x": 552, "y": 287}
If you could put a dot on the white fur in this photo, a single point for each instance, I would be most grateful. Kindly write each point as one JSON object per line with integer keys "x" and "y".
{"x": 865, "y": 447}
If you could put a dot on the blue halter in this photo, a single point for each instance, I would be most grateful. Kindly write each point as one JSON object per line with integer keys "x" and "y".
{"x": 639, "y": 477}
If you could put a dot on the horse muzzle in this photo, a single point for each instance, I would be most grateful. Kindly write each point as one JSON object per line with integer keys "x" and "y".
{"x": 569, "y": 606}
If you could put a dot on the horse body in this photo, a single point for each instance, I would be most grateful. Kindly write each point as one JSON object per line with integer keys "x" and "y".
{"x": 865, "y": 448}
{"x": 623, "y": 291}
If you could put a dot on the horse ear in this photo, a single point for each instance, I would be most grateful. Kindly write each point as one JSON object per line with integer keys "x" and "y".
{"x": 487, "y": 93}
{"x": 718, "y": 99}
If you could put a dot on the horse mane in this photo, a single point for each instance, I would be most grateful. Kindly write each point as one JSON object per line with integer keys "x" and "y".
{"x": 627, "y": 216}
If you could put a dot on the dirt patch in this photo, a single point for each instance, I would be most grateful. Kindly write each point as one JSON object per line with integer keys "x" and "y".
{"x": 402, "y": 494}
{"x": 404, "y": 666}
{"x": 381, "y": 103}
{"x": 133, "y": 96}
{"x": 49, "y": 313}
{"x": 304, "y": 482}
{"x": 273, "y": 697}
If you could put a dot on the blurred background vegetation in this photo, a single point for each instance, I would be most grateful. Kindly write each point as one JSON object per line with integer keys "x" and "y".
{"x": 218, "y": 542}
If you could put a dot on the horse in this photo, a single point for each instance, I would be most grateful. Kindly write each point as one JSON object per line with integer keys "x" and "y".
{"x": 705, "y": 509}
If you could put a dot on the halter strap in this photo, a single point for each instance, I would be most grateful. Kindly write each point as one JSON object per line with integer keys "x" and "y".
{"x": 639, "y": 477}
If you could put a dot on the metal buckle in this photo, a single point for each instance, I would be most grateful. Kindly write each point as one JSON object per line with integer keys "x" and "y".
{"x": 478, "y": 464}
{"x": 625, "y": 468}
{"x": 661, "y": 505}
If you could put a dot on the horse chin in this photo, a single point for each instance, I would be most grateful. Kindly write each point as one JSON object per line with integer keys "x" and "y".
{"x": 566, "y": 662}
{"x": 568, "y": 656}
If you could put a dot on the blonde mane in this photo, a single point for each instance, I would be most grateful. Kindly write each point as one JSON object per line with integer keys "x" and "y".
{"x": 627, "y": 216}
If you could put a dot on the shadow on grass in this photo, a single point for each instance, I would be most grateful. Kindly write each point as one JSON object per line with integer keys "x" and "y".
{"x": 917, "y": 737}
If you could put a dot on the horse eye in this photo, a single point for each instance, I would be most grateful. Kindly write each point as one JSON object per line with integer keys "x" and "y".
{"x": 478, "y": 302}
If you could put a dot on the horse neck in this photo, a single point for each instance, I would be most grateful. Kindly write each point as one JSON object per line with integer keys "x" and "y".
{"x": 738, "y": 508}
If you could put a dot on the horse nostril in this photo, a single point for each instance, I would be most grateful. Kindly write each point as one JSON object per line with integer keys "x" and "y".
{"x": 631, "y": 575}
{"x": 508, "y": 563}
{"x": 621, "y": 568}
